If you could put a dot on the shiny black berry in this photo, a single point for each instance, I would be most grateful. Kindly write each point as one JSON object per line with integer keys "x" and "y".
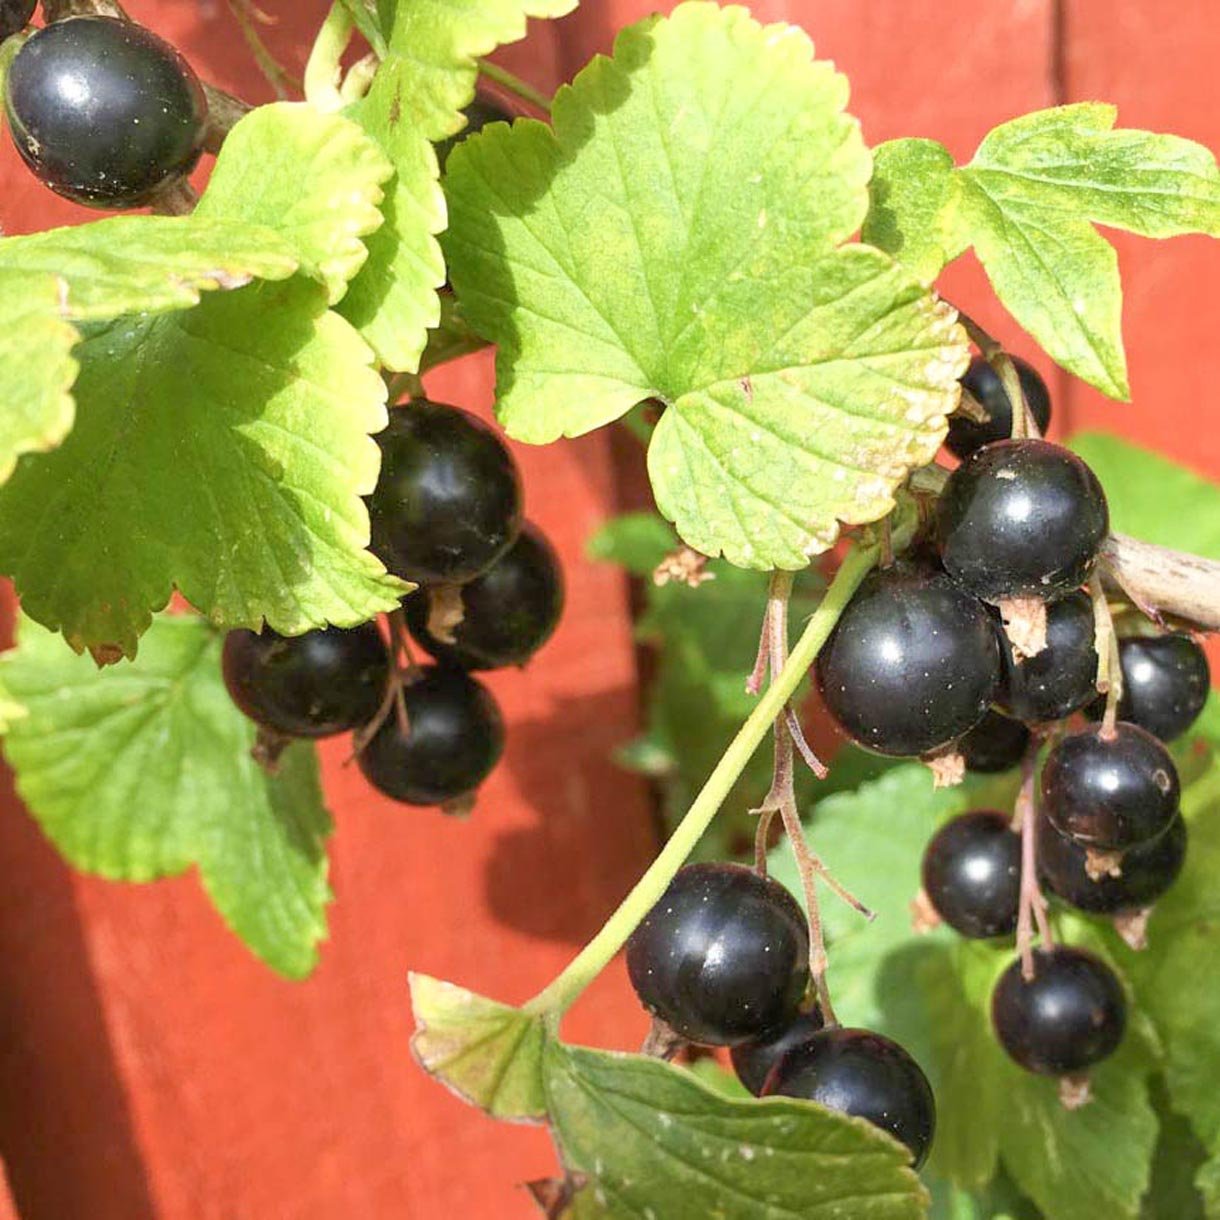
{"x": 1110, "y": 793}
{"x": 454, "y": 737}
{"x": 753, "y": 1061}
{"x": 1021, "y": 519}
{"x": 1062, "y": 678}
{"x": 311, "y": 685}
{"x": 448, "y": 502}
{"x": 972, "y": 873}
{"x": 966, "y": 435}
{"x": 1068, "y": 1017}
{"x": 103, "y": 111}
{"x": 912, "y": 664}
{"x": 723, "y": 957}
{"x": 480, "y": 112}
{"x": 15, "y": 16}
{"x": 1147, "y": 871}
{"x": 1165, "y": 683}
{"x": 865, "y": 1075}
{"x": 508, "y": 612}
{"x": 997, "y": 743}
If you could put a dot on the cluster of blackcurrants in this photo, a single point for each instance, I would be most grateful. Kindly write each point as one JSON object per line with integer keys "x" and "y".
{"x": 920, "y": 664}
{"x": 447, "y": 515}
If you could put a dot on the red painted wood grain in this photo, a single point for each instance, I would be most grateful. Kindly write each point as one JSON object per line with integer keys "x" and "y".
{"x": 150, "y": 1069}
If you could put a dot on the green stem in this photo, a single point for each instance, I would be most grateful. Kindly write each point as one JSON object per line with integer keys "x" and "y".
{"x": 557, "y": 998}
{"x": 323, "y": 71}
{"x": 515, "y": 85}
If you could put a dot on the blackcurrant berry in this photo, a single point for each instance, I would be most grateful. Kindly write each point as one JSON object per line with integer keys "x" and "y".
{"x": 966, "y": 435}
{"x": 1165, "y": 683}
{"x": 508, "y": 612}
{"x": 912, "y": 664}
{"x": 311, "y": 685}
{"x": 1062, "y": 678}
{"x": 723, "y": 957}
{"x": 103, "y": 111}
{"x": 479, "y": 114}
{"x": 865, "y": 1075}
{"x": 15, "y": 16}
{"x": 972, "y": 874}
{"x": 1021, "y": 519}
{"x": 448, "y": 502}
{"x": 997, "y": 743}
{"x": 1068, "y": 1017}
{"x": 1147, "y": 871}
{"x": 753, "y": 1061}
{"x": 1110, "y": 793}
{"x": 454, "y": 737}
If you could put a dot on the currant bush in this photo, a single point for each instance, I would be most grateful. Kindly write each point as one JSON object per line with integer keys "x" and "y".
{"x": 997, "y": 743}
{"x": 1061, "y": 679}
{"x": 15, "y": 16}
{"x": 753, "y": 1061}
{"x": 1166, "y": 679}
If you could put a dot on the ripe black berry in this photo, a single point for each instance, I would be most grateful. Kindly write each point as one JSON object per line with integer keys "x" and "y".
{"x": 753, "y": 1061}
{"x": 723, "y": 957}
{"x": 1062, "y": 678}
{"x": 1069, "y": 1016}
{"x": 15, "y": 16}
{"x": 103, "y": 111}
{"x": 454, "y": 737}
{"x": 1147, "y": 871}
{"x": 966, "y": 435}
{"x": 310, "y": 685}
{"x": 1110, "y": 793}
{"x": 972, "y": 873}
{"x": 448, "y": 502}
{"x": 865, "y": 1075}
{"x": 1021, "y": 519}
{"x": 508, "y": 611}
{"x": 912, "y": 664}
{"x": 1165, "y": 683}
{"x": 997, "y": 743}
{"x": 478, "y": 114}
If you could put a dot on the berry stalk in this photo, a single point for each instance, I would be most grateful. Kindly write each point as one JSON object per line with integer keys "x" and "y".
{"x": 558, "y": 997}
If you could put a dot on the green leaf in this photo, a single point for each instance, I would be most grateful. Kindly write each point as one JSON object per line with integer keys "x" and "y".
{"x": 932, "y": 993}
{"x": 38, "y": 409}
{"x": 653, "y": 1140}
{"x": 1027, "y": 202}
{"x": 913, "y": 207}
{"x": 426, "y": 77}
{"x": 148, "y": 264}
{"x": 1179, "y": 1158}
{"x": 141, "y": 770}
{"x": 1153, "y": 498}
{"x": 313, "y": 178}
{"x": 489, "y": 1054}
{"x": 1208, "y": 1182}
{"x": 450, "y": 338}
{"x": 222, "y": 450}
{"x": 674, "y": 237}
{"x": 368, "y": 21}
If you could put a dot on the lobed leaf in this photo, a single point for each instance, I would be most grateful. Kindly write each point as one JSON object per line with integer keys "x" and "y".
{"x": 221, "y": 450}
{"x": 427, "y": 75}
{"x": 257, "y": 180}
{"x": 1028, "y": 201}
{"x": 141, "y": 770}
{"x": 674, "y": 237}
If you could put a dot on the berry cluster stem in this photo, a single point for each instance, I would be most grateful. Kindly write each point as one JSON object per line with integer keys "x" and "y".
{"x": 1023, "y": 425}
{"x": 1032, "y": 907}
{"x": 559, "y": 996}
{"x": 515, "y": 85}
{"x": 1109, "y": 666}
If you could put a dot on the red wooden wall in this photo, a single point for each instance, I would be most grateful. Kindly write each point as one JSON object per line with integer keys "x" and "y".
{"x": 149, "y": 1068}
